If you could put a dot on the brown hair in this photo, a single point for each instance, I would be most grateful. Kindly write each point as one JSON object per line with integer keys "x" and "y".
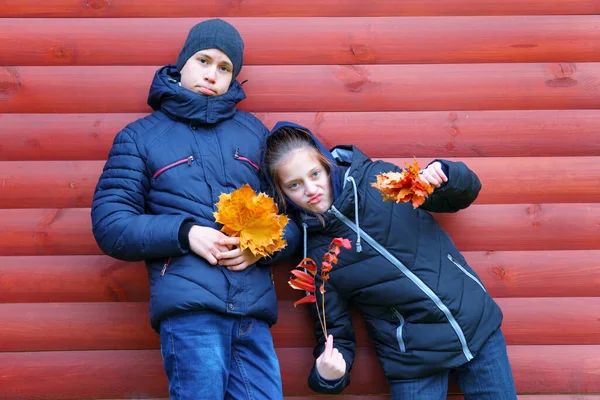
{"x": 282, "y": 142}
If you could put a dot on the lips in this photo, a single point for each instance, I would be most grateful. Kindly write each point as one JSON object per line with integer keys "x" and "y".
{"x": 315, "y": 199}
{"x": 206, "y": 91}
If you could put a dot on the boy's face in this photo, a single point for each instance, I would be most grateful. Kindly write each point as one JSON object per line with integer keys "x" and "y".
{"x": 208, "y": 72}
{"x": 305, "y": 181}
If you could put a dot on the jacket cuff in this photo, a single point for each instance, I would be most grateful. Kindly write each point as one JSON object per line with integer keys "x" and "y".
{"x": 184, "y": 231}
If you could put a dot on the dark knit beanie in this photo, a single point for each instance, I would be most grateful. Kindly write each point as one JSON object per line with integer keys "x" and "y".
{"x": 214, "y": 34}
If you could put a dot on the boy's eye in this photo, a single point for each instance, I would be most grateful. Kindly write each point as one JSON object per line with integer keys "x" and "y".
{"x": 203, "y": 60}
{"x": 225, "y": 68}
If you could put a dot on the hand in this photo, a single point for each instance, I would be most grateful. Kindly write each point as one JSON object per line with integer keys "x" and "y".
{"x": 434, "y": 174}
{"x": 235, "y": 259}
{"x": 331, "y": 364}
{"x": 204, "y": 241}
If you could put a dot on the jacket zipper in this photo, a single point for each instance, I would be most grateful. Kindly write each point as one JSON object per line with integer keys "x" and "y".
{"x": 399, "y": 330}
{"x": 237, "y": 156}
{"x": 176, "y": 163}
{"x": 410, "y": 275}
{"x": 467, "y": 273}
{"x": 165, "y": 266}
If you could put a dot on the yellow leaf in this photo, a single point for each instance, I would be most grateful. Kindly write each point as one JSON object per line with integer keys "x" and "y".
{"x": 253, "y": 218}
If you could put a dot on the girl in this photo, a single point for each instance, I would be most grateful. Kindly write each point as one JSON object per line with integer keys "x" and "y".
{"x": 426, "y": 311}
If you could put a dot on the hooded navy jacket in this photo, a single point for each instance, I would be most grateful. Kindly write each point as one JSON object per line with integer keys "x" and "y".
{"x": 425, "y": 309}
{"x": 169, "y": 168}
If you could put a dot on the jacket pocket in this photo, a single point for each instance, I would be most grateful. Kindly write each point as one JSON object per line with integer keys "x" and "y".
{"x": 187, "y": 160}
{"x": 470, "y": 275}
{"x": 399, "y": 330}
{"x": 242, "y": 158}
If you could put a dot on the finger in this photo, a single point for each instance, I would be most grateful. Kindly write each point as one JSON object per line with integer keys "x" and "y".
{"x": 210, "y": 258}
{"x": 425, "y": 177}
{"x": 328, "y": 346}
{"x": 239, "y": 267}
{"x": 229, "y": 241}
{"x": 231, "y": 262}
{"x": 230, "y": 254}
{"x": 439, "y": 172}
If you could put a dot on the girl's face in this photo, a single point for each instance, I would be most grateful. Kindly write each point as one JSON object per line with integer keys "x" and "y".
{"x": 305, "y": 181}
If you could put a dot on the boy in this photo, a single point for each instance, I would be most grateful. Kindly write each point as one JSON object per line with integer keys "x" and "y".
{"x": 210, "y": 301}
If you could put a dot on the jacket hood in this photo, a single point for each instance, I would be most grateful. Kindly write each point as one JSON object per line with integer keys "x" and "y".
{"x": 184, "y": 105}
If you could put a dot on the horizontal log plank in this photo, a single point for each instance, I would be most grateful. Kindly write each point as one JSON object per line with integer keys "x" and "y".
{"x": 419, "y": 87}
{"x": 514, "y": 133}
{"x": 283, "y": 8}
{"x": 139, "y": 374}
{"x": 451, "y": 397}
{"x": 366, "y": 40}
{"x": 508, "y": 180}
{"x": 484, "y": 227}
{"x": 125, "y": 326}
{"x": 90, "y": 278}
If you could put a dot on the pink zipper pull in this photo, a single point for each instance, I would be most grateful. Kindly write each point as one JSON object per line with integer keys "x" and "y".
{"x": 164, "y": 268}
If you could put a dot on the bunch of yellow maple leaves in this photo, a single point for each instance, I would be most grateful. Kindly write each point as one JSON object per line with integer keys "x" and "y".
{"x": 404, "y": 186}
{"x": 254, "y": 219}
{"x": 303, "y": 277}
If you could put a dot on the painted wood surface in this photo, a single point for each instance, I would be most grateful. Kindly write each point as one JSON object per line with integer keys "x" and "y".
{"x": 70, "y": 184}
{"x": 138, "y": 373}
{"x": 398, "y": 87}
{"x": 283, "y": 8}
{"x": 382, "y": 40}
{"x": 510, "y": 87}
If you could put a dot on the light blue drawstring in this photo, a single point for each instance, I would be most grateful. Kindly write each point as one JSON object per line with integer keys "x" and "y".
{"x": 304, "y": 226}
{"x": 358, "y": 245}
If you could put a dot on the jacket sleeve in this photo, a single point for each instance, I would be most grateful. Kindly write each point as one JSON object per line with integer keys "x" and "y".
{"x": 339, "y": 325}
{"x": 461, "y": 189}
{"x": 119, "y": 223}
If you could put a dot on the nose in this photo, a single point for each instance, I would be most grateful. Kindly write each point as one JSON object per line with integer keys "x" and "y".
{"x": 310, "y": 189}
{"x": 210, "y": 75}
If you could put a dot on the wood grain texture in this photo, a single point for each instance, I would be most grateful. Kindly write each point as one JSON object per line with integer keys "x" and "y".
{"x": 485, "y": 227}
{"x": 505, "y": 180}
{"x": 125, "y": 326}
{"x": 418, "y": 87}
{"x": 138, "y": 373}
{"x": 91, "y": 278}
{"x": 364, "y": 40}
{"x": 283, "y": 8}
{"x": 513, "y": 133}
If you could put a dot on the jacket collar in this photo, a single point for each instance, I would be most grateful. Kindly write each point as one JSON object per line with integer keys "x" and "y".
{"x": 187, "y": 106}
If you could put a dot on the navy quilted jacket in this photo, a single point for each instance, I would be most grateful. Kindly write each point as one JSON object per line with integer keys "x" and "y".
{"x": 424, "y": 307}
{"x": 169, "y": 168}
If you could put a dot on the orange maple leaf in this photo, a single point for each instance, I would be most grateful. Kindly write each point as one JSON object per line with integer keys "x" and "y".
{"x": 253, "y": 218}
{"x": 304, "y": 280}
{"x": 404, "y": 186}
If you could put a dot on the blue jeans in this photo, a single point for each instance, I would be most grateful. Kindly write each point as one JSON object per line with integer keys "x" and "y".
{"x": 214, "y": 356}
{"x": 486, "y": 377}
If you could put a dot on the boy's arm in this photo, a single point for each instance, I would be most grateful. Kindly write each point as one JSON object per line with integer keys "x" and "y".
{"x": 119, "y": 223}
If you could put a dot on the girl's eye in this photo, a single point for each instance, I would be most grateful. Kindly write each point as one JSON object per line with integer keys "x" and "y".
{"x": 294, "y": 185}
{"x": 203, "y": 60}
{"x": 316, "y": 173}
{"x": 225, "y": 68}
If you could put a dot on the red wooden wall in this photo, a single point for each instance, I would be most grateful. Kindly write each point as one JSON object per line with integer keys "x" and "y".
{"x": 511, "y": 87}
